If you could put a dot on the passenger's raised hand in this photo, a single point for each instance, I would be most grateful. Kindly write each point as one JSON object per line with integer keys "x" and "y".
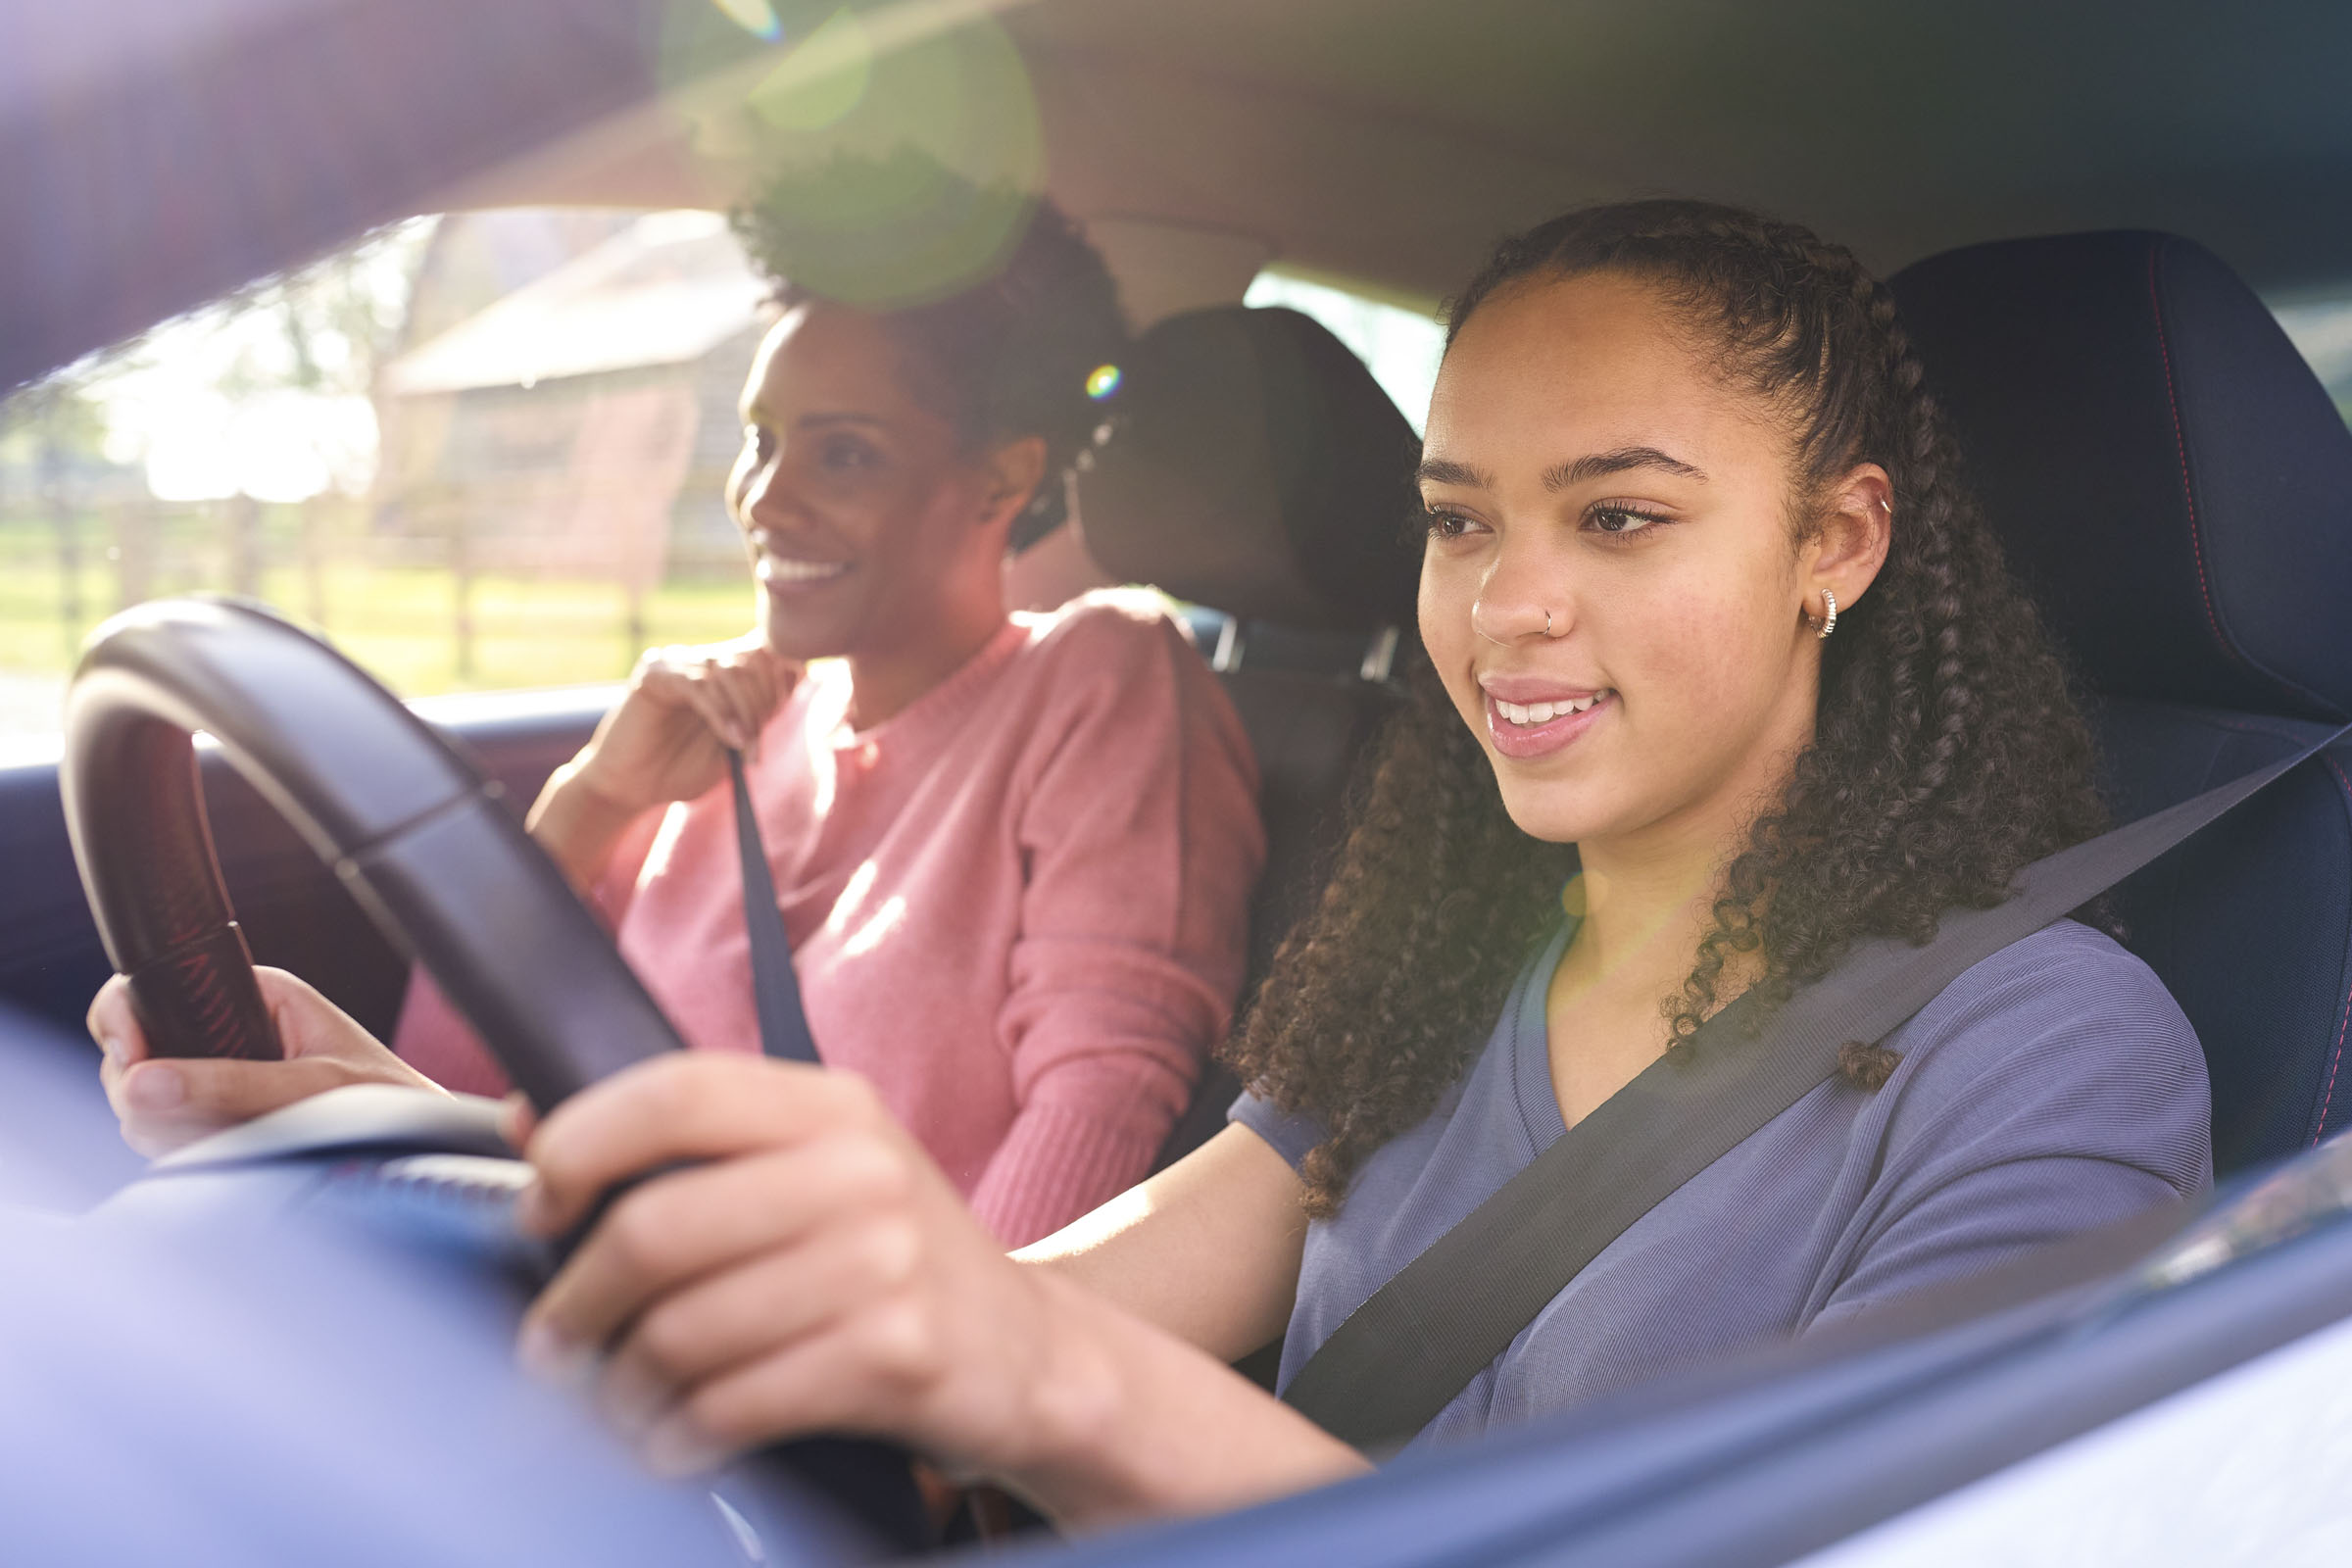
{"x": 814, "y": 1273}
{"x": 665, "y": 739}
{"x": 164, "y": 1102}
{"x": 668, "y": 739}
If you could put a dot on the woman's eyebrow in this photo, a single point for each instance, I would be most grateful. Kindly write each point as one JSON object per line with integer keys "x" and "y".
{"x": 1563, "y": 476}
{"x": 1601, "y": 465}
{"x": 1437, "y": 470}
{"x": 753, "y": 414}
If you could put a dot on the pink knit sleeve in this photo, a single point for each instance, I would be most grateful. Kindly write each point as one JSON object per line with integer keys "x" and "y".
{"x": 1143, "y": 839}
{"x": 434, "y": 1040}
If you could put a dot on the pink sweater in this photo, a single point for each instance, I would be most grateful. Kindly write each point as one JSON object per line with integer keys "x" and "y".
{"x": 1017, "y": 906}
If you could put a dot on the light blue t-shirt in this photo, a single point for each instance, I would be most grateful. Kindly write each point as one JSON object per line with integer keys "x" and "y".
{"x": 2053, "y": 1088}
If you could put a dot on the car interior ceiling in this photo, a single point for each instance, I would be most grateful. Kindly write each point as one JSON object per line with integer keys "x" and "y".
{"x": 1382, "y": 140}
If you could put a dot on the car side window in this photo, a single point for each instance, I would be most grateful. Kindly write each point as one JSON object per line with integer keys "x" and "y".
{"x": 2321, "y": 328}
{"x": 1400, "y": 342}
{"x": 482, "y": 451}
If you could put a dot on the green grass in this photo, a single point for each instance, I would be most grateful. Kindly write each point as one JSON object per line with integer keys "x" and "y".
{"x": 399, "y": 621}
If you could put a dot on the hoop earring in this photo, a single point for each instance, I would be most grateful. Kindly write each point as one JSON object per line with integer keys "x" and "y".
{"x": 1828, "y": 619}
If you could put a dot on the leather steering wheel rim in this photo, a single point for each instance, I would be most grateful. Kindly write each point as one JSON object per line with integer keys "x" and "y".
{"x": 410, "y": 826}
{"x": 422, "y": 840}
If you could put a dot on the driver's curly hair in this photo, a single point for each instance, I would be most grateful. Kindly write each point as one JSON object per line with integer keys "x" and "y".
{"x": 1948, "y": 752}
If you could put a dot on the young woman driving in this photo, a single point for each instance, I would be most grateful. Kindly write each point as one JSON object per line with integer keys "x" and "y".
{"x": 1715, "y": 643}
{"x": 1013, "y": 854}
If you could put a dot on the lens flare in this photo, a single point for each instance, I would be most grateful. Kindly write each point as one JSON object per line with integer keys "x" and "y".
{"x": 755, "y": 17}
{"x": 822, "y": 82}
{"x": 1102, "y": 381}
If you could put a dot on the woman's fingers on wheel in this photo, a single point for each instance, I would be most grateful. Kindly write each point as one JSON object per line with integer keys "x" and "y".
{"x": 739, "y": 1314}
{"x": 855, "y": 1375}
{"x": 679, "y": 1106}
{"x": 311, "y": 1026}
{"x": 681, "y": 1228}
{"x": 163, "y": 1104}
{"x": 114, "y": 1023}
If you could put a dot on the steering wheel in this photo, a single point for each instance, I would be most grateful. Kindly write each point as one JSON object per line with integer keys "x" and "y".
{"x": 442, "y": 866}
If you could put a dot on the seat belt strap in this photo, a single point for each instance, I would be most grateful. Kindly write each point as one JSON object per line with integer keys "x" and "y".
{"x": 1403, "y": 1355}
{"x": 775, "y": 988}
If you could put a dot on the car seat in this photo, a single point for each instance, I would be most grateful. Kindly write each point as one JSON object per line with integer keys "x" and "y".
{"x": 1250, "y": 465}
{"x": 2174, "y": 487}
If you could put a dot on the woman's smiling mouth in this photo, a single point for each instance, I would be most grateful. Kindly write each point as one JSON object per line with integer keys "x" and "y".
{"x": 775, "y": 570}
{"x": 1532, "y": 722}
{"x": 784, "y": 571}
{"x": 1544, "y": 713}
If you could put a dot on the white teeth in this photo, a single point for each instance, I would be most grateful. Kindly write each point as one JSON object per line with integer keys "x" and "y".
{"x": 789, "y": 570}
{"x": 1544, "y": 712}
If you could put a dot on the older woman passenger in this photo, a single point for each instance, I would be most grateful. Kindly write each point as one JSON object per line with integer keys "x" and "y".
{"x": 1013, "y": 852}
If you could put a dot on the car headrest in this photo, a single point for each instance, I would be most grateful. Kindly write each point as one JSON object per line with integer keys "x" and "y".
{"x": 2168, "y": 478}
{"x": 1253, "y": 465}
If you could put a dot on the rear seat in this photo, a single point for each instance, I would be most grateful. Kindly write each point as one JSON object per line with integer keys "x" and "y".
{"x": 1253, "y": 467}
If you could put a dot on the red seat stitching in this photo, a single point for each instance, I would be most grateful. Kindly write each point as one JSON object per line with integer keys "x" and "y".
{"x": 2189, "y": 495}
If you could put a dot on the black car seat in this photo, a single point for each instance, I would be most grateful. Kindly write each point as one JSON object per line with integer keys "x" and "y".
{"x": 2175, "y": 488}
{"x": 1252, "y": 465}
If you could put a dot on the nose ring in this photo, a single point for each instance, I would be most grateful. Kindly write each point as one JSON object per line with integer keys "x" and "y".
{"x": 1498, "y": 641}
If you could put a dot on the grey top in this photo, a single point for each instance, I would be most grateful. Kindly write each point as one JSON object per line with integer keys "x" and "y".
{"x": 2050, "y": 1090}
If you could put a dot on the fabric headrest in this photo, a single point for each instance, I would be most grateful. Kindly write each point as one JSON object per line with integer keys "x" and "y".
{"x": 1255, "y": 466}
{"x": 2168, "y": 478}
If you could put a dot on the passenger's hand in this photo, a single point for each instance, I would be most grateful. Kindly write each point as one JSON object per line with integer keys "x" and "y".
{"x": 816, "y": 1273}
{"x": 665, "y": 739}
{"x": 167, "y": 1101}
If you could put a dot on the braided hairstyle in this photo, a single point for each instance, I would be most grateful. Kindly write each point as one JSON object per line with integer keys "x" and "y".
{"x": 1946, "y": 754}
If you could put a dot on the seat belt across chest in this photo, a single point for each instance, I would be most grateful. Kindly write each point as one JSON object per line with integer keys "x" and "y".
{"x": 1401, "y": 1357}
{"x": 775, "y": 988}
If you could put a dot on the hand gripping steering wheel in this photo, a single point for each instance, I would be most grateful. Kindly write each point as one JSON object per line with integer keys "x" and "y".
{"x": 430, "y": 852}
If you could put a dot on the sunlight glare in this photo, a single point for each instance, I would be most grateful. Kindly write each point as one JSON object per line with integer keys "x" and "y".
{"x": 755, "y": 17}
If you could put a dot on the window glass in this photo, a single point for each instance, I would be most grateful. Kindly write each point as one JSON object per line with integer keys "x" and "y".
{"x": 1401, "y": 347}
{"x": 2321, "y": 330}
{"x": 480, "y": 451}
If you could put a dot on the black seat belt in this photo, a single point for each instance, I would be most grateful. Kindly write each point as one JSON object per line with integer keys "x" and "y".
{"x": 775, "y": 988}
{"x": 1401, "y": 1357}
{"x": 868, "y": 1479}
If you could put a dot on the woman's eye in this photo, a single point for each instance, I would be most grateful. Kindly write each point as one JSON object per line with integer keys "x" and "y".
{"x": 1446, "y": 524}
{"x": 847, "y": 455}
{"x": 1619, "y": 521}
